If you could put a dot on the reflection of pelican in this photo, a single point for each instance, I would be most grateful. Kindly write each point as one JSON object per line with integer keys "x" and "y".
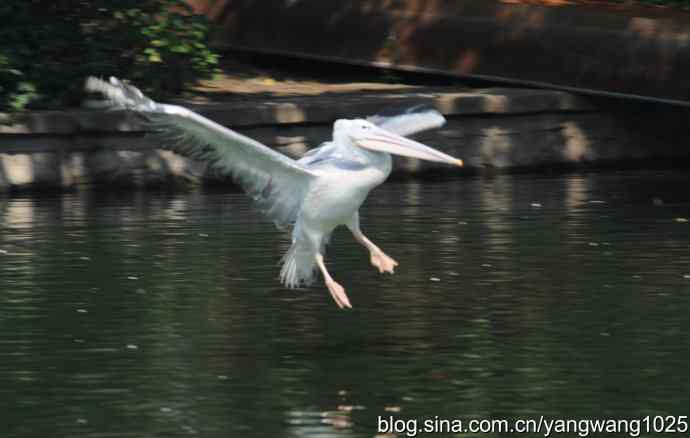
{"x": 317, "y": 193}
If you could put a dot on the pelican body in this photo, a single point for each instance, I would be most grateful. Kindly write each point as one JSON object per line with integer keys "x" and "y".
{"x": 315, "y": 194}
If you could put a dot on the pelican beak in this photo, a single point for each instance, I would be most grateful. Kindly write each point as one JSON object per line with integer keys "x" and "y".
{"x": 384, "y": 141}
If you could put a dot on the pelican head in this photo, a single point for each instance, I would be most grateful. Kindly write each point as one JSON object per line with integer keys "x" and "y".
{"x": 369, "y": 136}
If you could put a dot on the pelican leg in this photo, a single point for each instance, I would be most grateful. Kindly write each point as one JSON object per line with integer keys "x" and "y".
{"x": 336, "y": 290}
{"x": 378, "y": 258}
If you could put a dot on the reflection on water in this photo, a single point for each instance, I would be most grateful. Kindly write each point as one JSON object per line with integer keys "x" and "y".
{"x": 161, "y": 315}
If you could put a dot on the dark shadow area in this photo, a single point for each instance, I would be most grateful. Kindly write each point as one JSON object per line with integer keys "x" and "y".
{"x": 602, "y": 47}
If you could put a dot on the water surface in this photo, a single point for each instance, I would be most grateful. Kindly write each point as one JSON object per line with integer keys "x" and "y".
{"x": 161, "y": 315}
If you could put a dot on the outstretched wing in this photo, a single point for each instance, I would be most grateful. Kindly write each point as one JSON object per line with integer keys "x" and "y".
{"x": 416, "y": 119}
{"x": 276, "y": 182}
{"x": 318, "y": 154}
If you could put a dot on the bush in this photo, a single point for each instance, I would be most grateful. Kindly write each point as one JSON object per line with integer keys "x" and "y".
{"x": 48, "y": 48}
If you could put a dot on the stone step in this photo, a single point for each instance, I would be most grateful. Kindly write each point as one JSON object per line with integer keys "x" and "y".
{"x": 497, "y": 127}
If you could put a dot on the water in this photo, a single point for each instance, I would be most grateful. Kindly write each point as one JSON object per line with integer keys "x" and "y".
{"x": 160, "y": 315}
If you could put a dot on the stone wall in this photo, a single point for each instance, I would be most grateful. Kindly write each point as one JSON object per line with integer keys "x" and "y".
{"x": 492, "y": 128}
{"x": 593, "y": 46}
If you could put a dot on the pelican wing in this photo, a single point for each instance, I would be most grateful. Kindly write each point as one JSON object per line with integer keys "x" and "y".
{"x": 277, "y": 183}
{"x": 318, "y": 154}
{"x": 416, "y": 119}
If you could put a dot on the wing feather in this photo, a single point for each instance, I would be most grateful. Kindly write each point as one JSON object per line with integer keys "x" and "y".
{"x": 277, "y": 183}
{"x": 416, "y": 119}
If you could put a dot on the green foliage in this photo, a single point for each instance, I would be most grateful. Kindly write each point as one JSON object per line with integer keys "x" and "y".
{"x": 48, "y": 48}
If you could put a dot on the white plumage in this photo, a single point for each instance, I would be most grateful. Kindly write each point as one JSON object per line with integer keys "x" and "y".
{"x": 322, "y": 190}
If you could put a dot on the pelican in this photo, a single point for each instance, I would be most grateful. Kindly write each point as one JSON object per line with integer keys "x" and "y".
{"x": 315, "y": 194}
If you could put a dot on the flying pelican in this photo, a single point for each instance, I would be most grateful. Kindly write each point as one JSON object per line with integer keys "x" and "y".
{"x": 315, "y": 194}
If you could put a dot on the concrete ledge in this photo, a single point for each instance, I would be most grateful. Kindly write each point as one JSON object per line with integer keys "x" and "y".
{"x": 304, "y": 109}
{"x": 501, "y": 128}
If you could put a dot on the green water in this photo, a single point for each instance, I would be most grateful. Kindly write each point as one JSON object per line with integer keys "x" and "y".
{"x": 160, "y": 315}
